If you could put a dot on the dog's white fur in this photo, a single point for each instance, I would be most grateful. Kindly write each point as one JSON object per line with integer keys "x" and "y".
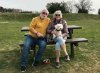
{"x": 58, "y": 32}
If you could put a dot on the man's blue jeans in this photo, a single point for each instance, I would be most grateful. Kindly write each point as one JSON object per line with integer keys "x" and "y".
{"x": 30, "y": 41}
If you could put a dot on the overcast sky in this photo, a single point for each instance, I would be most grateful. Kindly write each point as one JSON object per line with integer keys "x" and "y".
{"x": 38, "y": 5}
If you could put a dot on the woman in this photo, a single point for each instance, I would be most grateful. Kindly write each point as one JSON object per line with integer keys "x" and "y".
{"x": 60, "y": 44}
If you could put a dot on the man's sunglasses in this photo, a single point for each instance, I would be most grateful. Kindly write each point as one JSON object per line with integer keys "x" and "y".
{"x": 57, "y": 14}
{"x": 44, "y": 13}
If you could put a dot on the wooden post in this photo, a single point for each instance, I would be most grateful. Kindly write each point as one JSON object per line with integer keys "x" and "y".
{"x": 72, "y": 49}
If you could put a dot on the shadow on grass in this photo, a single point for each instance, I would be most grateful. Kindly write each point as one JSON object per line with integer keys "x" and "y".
{"x": 10, "y": 61}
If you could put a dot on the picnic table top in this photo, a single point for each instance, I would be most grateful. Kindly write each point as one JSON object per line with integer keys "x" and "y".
{"x": 26, "y": 28}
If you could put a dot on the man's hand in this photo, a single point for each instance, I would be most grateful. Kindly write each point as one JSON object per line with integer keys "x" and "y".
{"x": 39, "y": 34}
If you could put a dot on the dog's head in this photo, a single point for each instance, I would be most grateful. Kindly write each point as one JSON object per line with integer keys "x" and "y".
{"x": 59, "y": 27}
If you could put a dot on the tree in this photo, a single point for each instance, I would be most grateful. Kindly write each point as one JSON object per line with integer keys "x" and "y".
{"x": 1, "y": 9}
{"x": 52, "y": 7}
{"x": 99, "y": 11}
{"x": 84, "y": 6}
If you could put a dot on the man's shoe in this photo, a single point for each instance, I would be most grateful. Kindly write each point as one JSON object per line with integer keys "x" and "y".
{"x": 67, "y": 59}
{"x": 23, "y": 68}
{"x": 57, "y": 65}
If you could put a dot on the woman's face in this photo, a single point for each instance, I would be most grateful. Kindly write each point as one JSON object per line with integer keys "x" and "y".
{"x": 57, "y": 16}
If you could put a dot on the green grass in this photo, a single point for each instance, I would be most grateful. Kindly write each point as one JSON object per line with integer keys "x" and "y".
{"x": 87, "y": 55}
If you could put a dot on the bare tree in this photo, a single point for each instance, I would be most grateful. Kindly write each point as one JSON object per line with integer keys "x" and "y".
{"x": 69, "y": 6}
{"x": 84, "y": 6}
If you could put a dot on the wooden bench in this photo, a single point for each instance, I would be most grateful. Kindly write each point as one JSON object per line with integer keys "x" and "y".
{"x": 72, "y": 42}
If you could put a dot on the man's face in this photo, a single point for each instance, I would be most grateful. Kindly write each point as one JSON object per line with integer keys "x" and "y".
{"x": 44, "y": 14}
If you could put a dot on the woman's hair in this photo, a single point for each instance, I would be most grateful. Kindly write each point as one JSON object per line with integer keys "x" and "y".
{"x": 57, "y": 12}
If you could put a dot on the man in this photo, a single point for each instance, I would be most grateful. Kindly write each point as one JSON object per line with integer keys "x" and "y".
{"x": 37, "y": 33}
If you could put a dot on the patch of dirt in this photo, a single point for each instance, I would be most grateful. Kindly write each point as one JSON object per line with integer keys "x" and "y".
{"x": 4, "y": 22}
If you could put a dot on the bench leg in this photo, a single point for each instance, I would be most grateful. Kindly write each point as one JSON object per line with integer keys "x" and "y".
{"x": 70, "y": 33}
{"x": 21, "y": 47}
{"x": 33, "y": 50}
{"x": 72, "y": 49}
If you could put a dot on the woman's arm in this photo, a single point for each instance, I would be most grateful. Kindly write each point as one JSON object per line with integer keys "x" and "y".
{"x": 65, "y": 29}
{"x": 49, "y": 29}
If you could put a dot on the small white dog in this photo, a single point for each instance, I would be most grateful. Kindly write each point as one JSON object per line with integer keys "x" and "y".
{"x": 58, "y": 32}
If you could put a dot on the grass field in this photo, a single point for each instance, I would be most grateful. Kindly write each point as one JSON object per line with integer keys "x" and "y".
{"x": 87, "y": 55}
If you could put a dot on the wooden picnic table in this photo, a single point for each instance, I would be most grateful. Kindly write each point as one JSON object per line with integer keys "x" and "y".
{"x": 71, "y": 40}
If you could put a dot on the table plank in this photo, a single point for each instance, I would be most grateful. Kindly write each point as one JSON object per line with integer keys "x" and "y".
{"x": 26, "y": 28}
